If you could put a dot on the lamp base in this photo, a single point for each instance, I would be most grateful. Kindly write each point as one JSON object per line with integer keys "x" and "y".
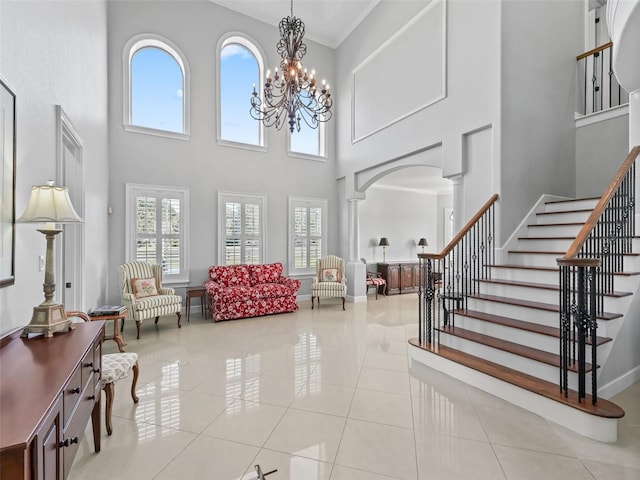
{"x": 48, "y": 319}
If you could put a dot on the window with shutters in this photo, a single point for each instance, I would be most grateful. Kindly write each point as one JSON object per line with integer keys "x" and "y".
{"x": 307, "y": 234}
{"x": 156, "y": 227}
{"x": 242, "y": 238}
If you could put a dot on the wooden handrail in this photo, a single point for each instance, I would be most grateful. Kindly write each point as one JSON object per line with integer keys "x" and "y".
{"x": 461, "y": 233}
{"x": 585, "y": 231}
{"x": 595, "y": 50}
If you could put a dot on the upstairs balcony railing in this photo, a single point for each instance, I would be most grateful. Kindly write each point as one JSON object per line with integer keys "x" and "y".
{"x": 599, "y": 88}
{"x": 586, "y": 275}
{"x": 449, "y": 277}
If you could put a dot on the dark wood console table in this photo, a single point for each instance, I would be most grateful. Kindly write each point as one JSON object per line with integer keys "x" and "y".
{"x": 401, "y": 277}
{"x": 49, "y": 387}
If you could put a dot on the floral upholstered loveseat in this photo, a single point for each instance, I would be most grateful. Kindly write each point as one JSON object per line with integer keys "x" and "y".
{"x": 240, "y": 291}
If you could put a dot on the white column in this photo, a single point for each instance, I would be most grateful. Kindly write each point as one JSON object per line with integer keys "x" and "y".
{"x": 458, "y": 203}
{"x": 634, "y": 119}
{"x": 354, "y": 230}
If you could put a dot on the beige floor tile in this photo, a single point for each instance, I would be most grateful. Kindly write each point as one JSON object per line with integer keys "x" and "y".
{"x": 307, "y": 434}
{"x": 345, "y": 473}
{"x": 384, "y": 380}
{"x": 274, "y": 390}
{"x": 380, "y": 449}
{"x": 519, "y": 464}
{"x": 335, "y": 374}
{"x": 208, "y": 457}
{"x": 452, "y": 458}
{"x": 382, "y": 407}
{"x": 290, "y": 467}
{"x": 246, "y": 422}
{"x": 193, "y": 411}
{"x": 609, "y": 471}
{"x": 329, "y": 399}
{"x": 441, "y": 416}
{"x": 387, "y": 361}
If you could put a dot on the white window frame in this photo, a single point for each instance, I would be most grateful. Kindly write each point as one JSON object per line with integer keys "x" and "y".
{"x": 308, "y": 203}
{"x": 130, "y": 49}
{"x": 242, "y": 198}
{"x": 322, "y": 144}
{"x": 134, "y": 190}
{"x": 253, "y": 47}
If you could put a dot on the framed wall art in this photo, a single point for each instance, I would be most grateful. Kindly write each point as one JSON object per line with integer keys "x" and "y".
{"x": 7, "y": 183}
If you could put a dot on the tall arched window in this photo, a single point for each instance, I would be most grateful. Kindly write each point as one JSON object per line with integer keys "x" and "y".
{"x": 240, "y": 68}
{"x": 156, "y": 87}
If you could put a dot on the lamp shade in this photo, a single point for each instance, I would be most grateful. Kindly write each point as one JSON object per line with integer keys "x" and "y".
{"x": 49, "y": 203}
{"x": 423, "y": 242}
{"x": 383, "y": 242}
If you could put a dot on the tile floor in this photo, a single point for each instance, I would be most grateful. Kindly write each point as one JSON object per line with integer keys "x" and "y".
{"x": 327, "y": 394}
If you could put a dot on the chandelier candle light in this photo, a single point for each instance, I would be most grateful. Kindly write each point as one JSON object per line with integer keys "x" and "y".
{"x": 49, "y": 204}
{"x": 293, "y": 94}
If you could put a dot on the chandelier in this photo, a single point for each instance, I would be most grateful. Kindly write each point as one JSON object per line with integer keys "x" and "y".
{"x": 294, "y": 94}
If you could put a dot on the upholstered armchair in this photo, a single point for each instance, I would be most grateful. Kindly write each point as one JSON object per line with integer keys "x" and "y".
{"x": 329, "y": 280}
{"x": 143, "y": 293}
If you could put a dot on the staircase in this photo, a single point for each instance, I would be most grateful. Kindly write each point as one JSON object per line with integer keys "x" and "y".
{"x": 506, "y": 340}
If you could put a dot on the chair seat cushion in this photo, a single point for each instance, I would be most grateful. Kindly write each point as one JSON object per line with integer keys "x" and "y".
{"x": 376, "y": 281}
{"x": 148, "y": 303}
{"x": 116, "y": 366}
{"x": 329, "y": 289}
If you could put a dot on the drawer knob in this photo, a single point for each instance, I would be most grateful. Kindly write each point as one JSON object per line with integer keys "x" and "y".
{"x": 75, "y": 390}
{"x": 74, "y": 440}
{"x": 92, "y": 397}
{"x": 90, "y": 364}
{"x": 96, "y": 370}
{"x": 64, "y": 444}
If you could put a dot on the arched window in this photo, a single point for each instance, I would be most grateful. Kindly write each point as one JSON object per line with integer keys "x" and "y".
{"x": 156, "y": 88}
{"x": 240, "y": 68}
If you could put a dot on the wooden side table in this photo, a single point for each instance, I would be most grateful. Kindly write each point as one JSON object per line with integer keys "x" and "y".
{"x": 117, "y": 337}
{"x": 196, "y": 292}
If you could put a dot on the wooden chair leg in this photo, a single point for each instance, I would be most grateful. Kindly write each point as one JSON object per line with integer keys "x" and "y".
{"x": 136, "y": 372}
{"x": 108, "y": 390}
{"x": 312, "y": 299}
{"x": 343, "y": 304}
{"x": 138, "y": 322}
{"x": 157, "y": 318}
{"x": 179, "y": 318}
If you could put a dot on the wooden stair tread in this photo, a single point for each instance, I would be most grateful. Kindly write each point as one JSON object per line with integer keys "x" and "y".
{"x": 536, "y": 305}
{"x": 563, "y": 224}
{"x": 546, "y": 238}
{"x": 569, "y": 200}
{"x": 603, "y": 408}
{"x": 582, "y": 210}
{"x": 561, "y": 254}
{"x": 548, "y": 269}
{"x": 511, "y": 347}
{"x": 545, "y": 286}
{"x": 521, "y": 324}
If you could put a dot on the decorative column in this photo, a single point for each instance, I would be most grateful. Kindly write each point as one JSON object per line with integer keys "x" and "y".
{"x": 356, "y": 270}
{"x": 458, "y": 202}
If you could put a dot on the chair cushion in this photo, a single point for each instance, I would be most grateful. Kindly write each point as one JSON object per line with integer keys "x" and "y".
{"x": 330, "y": 275}
{"x": 376, "y": 281}
{"x": 144, "y": 287}
{"x": 273, "y": 290}
{"x": 239, "y": 293}
{"x": 268, "y": 273}
{"x": 148, "y": 303}
{"x": 116, "y": 366}
{"x": 231, "y": 275}
{"x": 329, "y": 289}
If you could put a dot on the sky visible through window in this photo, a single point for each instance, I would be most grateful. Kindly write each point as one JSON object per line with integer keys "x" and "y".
{"x": 156, "y": 90}
{"x": 157, "y": 97}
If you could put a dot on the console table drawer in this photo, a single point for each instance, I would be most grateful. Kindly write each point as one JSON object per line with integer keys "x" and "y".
{"x": 71, "y": 395}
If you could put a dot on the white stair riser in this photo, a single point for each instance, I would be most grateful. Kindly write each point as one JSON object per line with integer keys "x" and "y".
{"x": 517, "y": 312}
{"x": 534, "y": 368}
{"x": 525, "y": 275}
{"x": 563, "y": 217}
{"x": 515, "y": 335}
{"x": 534, "y": 259}
{"x": 575, "y": 205}
{"x": 611, "y": 304}
{"x": 553, "y": 231}
{"x": 546, "y": 245}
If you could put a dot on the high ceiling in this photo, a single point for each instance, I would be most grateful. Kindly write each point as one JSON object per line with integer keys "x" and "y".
{"x": 327, "y": 21}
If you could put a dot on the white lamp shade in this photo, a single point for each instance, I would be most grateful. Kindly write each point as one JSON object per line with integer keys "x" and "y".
{"x": 49, "y": 203}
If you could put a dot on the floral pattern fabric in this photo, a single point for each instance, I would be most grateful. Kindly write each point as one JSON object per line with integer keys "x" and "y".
{"x": 240, "y": 291}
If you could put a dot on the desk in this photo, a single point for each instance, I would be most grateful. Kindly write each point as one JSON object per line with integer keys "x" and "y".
{"x": 195, "y": 292}
{"x": 117, "y": 337}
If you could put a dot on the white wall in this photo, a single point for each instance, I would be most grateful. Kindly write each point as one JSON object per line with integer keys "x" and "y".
{"x": 403, "y": 217}
{"x": 200, "y": 163}
{"x": 600, "y": 150}
{"x": 54, "y": 52}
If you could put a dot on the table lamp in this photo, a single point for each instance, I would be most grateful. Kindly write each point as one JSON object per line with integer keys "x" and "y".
{"x": 50, "y": 205}
{"x": 423, "y": 243}
{"x": 384, "y": 243}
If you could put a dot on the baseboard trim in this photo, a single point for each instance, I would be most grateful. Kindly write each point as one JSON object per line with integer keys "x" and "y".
{"x": 621, "y": 383}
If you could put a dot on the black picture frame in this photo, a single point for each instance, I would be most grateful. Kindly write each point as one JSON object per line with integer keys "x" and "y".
{"x": 7, "y": 184}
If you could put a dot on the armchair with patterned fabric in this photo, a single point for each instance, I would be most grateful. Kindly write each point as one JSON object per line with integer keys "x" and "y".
{"x": 144, "y": 295}
{"x": 330, "y": 280}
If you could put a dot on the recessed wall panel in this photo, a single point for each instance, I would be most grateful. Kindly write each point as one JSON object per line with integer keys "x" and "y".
{"x": 405, "y": 75}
